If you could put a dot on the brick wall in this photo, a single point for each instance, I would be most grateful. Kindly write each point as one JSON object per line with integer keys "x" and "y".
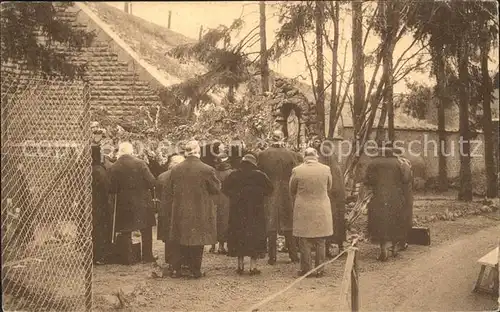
{"x": 117, "y": 85}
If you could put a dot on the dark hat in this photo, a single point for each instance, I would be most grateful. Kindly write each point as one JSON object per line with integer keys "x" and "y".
{"x": 250, "y": 159}
{"x": 222, "y": 157}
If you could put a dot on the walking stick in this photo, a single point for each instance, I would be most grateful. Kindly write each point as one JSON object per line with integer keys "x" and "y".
{"x": 114, "y": 221}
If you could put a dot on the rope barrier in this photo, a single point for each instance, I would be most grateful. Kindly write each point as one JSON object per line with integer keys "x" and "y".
{"x": 256, "y": 306}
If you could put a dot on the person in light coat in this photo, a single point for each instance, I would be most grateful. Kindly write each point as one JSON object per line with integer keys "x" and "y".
{"x": 310, "y": 185}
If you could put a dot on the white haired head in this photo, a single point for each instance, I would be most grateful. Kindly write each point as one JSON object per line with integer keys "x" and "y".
{"x": 192, "y": 148}
{"x": 175, "y": 160}
{"x": 125, "y": 148}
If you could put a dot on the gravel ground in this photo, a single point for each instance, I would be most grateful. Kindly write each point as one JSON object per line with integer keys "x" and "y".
{"x": 456, "y": 245}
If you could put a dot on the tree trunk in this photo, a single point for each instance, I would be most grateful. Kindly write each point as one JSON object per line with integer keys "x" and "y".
{"x": 320, "y": 83}
{"x": 390, "y": 20}
{"x": 489, "y": 159}
{"x": 358, "y": 66}
{"x": 126, "y": 7}
{"x": 444, "y": 100}
{"x": 380, "y": 136}
{"x": 230, "y": 95}
{"x": 333, "y": 96}
{"x": 465, "y": 191}
{"x": 264, "y": 65}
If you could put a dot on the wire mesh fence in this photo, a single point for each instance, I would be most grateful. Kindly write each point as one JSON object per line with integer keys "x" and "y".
{"x": 46, "y": 195}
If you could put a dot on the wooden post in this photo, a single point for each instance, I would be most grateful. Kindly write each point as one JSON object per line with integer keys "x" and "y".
{"x": 169, "y": 19}
{"x": 201, "y": 32}
{"x": 355, "y": 283}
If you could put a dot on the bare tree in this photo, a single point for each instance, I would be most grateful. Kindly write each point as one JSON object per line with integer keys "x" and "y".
{"x": 264, "y": 65}
{"x": 320, "y": 67}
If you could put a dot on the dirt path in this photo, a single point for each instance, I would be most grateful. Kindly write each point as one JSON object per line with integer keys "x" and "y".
{"x": 439, "y": 277}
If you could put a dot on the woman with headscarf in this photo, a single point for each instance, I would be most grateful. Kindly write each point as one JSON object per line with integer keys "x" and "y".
{"x": 247, "y": 188}
{"x": 223, "y": 170}
{"x": 165, "y": 207}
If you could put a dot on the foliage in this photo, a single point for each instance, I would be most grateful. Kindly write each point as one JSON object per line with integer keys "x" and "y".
{"x": 32, "y": 34}
{"x": 227, "y": 66}
{"x": 416, "y": 102}
{"x": 296, "y": 19}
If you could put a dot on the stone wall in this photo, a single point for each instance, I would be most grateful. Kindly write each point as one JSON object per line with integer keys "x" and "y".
{"x": 423, "y": 145}
{"x": 286, "y": 97}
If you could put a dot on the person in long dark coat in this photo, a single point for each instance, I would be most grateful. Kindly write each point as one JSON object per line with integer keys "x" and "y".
{"x": 209, "y": 152}
{"x": 327, "y": 156}
{"x": 386, "y": 210}
{"x": 191, "y": 186}
{"x": 247, "y": 188}
{"x": 277, "y": 162}
{"x": 165, "y": 210}
{"x": 408, "y": 195}
{"x": 101, "y": 210}
{"x": 223, "y": 170}
{"x": 236, "y": 151}
{"x": 132, "y": 182}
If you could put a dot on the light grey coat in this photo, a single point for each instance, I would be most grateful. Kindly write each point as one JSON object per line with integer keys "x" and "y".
{"x": 310, "y": 185}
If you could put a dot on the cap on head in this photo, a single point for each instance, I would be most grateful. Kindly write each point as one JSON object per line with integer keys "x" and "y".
{"x": 311, "y": 152}
{"x": 249, "y": 158}
{"x": 222, "y": 157}
{"x": 278, "y": 136}
{"x": 192, "y": 148}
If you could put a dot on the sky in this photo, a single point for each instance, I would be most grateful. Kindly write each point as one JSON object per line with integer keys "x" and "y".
{"x": 188, "y": 17}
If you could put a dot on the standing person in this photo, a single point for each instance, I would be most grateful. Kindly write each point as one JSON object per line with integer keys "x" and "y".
{"x": 101, "y": 210}
{"x": 277, "y": 163}
{"x": 310, "y": 186}
{"x": 246, "y": 189}
{"x": 165, "y": 210}
{"x": 191, "y": 186}
{"x": 223, "y": 170}
{"x": 237, "y": 149}
{"x": 386, "y": 215}
{"x": 328, "y": 157}
{"x": 132, "y": 183}
{"x": 407, "y": 170}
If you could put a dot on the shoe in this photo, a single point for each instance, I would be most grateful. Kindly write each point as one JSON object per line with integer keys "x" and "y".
{"x": 176, "y": 274}
{"x": 150, "y": 259}
{"x": 302, "y": 273}
{"x": 271, "y": 261}
{"x": 254, "y": 272}
{"x": 196, "y": 275}
{"x": 239, "y": 271}
{"x": 222, "y": 251}
{"x": 212, "y": 250}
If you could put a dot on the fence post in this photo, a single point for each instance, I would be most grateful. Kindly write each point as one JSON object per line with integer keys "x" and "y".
{"x": 201, "y": 32}
{"x": 355, "y": 283}
{"x": 169, "y": 18}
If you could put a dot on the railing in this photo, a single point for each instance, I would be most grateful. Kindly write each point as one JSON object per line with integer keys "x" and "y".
{"x": 350, "y": 278}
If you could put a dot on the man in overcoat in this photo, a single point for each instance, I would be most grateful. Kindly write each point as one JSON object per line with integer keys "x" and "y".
{"x": 310, "y": 186}
{"x": 328, "y": 157}
{"x": 386, "y": 211}
{"x": 101, "y": 210}
{"x": 132, "y": 182}
{"x": 165, "y": 209}
{"x": 277, "y": 163}
{"x": 191, "y": 187}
